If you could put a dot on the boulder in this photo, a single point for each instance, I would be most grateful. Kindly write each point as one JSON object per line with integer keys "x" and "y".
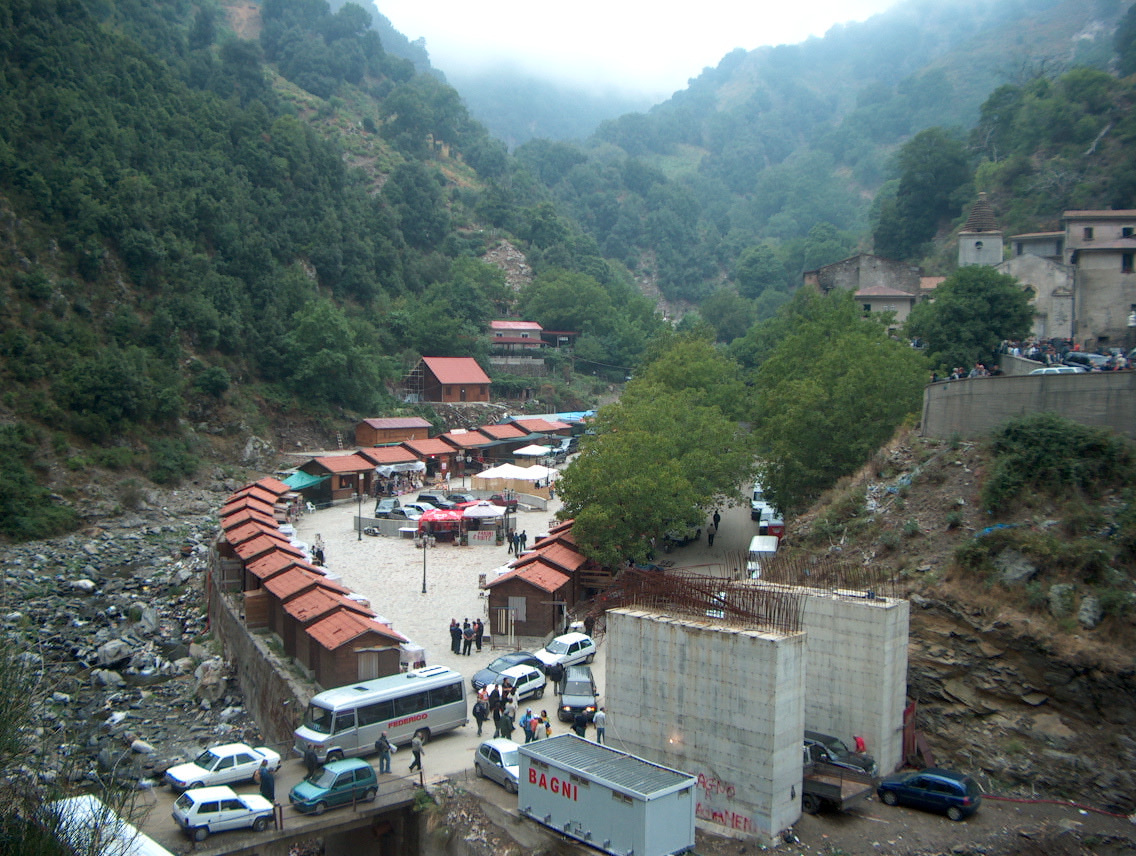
{"x": 1090, "y": 613}
{"x": 1014, "y": 568}
{"x": 1062, "y": 598}
{"x": 116, "y": 652}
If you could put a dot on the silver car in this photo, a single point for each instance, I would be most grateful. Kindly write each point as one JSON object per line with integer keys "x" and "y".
{"x": 499, "y": 760}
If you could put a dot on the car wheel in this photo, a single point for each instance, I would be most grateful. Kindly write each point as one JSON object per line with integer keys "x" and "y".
{"x": 369, "y": 795}
{"x": 510, "y": 786}
{"x": 954, "y": 813}
{"x": 810, "y": 804}
{"x": 477, "y": 771}
{"x": 194, "y": 785}
{"x": 319, "y": 807}
{"x": 260, "y": 824}
{"x": 423, "y": 734}
{"x": 334, "y": 756}
{"x": 589, "y": 658}
{"x": 200, "y": 833}
{"x": 890, "y": 798}
{"x": 539, "y": 693}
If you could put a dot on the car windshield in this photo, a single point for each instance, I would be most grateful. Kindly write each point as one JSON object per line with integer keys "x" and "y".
{"x": 577, "y": 688}
{"x": 556, "y": 647}
{"x": 206, "y": 759}
{"x": 321, "y": 778}
{"x": 184, "y": 802}
{"x": 503, "y": 663}
{"x": 837, "y": 745}
{"x": 318, "y": 719}
{"x": 511, "y": 758}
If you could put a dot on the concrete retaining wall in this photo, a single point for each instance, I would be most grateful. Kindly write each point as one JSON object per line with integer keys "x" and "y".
{"x": 857, "y": 670}
{"x": 276, "y": 702}
{"x": 971, "y": 409}
{"x": 724, "y": 704}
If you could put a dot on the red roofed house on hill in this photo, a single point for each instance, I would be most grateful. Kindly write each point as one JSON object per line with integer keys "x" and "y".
{"x": 447, "y": 379}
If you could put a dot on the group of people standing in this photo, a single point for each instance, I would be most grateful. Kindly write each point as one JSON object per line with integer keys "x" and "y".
{"x": 518, "y": 541}
{"x": 466, "y": 635}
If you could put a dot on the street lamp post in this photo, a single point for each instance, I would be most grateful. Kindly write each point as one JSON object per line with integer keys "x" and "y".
{"x": 359, "y": 507}
{"x": 425, "y": 546}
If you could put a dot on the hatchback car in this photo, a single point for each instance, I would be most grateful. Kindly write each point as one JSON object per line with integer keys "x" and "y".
{"x": 418, "y": 508}
{"x": 509, "y": 503}
{"x": 1059, "y": 370}
{"x": 436, "y": 500}
{"x": 491, "y": 674}
{"x": 460, "y": 499}
{"x": 944, "y": 791}
{"x": 205, "y": 810}
{"x": 824, "y": 748}
{"x": 221, "y": 765}
{"x": 337, "y": 783}
{"x": 1092, "y": 362}
{"x": 499, "y": 760}
{"x": 568, "y": 650}
{"x": 385, "y": 506}
{"x": 404, "y": 512}
{"x": 527, "y": 681}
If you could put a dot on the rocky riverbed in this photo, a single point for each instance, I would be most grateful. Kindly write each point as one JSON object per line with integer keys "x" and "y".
{"x": 110, "y": 623}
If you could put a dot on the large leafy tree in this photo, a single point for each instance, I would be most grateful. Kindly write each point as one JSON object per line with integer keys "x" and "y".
{"x": 660, "y": 457}
{"x": 831, "y": 391}
{"x": 973, "y": 311}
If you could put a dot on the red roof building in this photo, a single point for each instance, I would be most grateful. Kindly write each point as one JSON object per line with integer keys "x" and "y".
{"x": 345, "y": 647}
{"x": 448, "y": 379}
{"x": 378, "y": 432}
{"x": 349, "y": 474}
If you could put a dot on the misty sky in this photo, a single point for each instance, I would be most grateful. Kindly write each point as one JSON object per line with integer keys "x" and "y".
{"x": 652, "y": 48}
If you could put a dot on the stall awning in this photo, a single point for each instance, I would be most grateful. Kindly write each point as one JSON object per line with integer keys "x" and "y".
{"x": 300, "y": 480}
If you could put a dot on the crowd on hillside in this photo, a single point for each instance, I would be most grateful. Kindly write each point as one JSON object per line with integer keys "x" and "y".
{"x": 1053, "y": 352}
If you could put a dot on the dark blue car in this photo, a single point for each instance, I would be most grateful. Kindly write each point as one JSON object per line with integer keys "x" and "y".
{"x": 954, "y": 794}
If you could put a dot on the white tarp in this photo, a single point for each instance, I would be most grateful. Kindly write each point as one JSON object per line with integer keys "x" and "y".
{"x": 406, "y": 467}
{"x": 534, "y": 451}
{"x": 484, "y": 509}
{"x": 512, "y": 471}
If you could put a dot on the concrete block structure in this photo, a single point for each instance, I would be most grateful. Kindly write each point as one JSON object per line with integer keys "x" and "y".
{"x": 856, "y": 649}
{"x": 724, "y": 703}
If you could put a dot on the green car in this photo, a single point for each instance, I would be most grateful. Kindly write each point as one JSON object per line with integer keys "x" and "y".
{"x": 333, "y": 784}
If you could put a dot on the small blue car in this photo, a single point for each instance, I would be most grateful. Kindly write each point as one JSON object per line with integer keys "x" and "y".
{"x": 337, "y": 783}
{"x": 954, "y": 794}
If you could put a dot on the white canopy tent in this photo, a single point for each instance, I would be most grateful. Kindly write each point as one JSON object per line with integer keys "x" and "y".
{"x": 533, "y": 451}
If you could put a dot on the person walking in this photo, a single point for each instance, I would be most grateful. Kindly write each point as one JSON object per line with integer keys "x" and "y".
{"x": 717, "y": 519}
{"x": 600, "y": 722}
{"x": 545, "y": 726}
{"x": 495, "y": 708}
{"x": 526, "y": 720}
{"x": 555, "y": 674}
{"x": 580, "y": 724}
{"x": 311, "y": 762}
{"x": 511, "y": 537}
{"x": 524, "y": 540}
{"x": 480, "y": 714}
{"x": 478, "y": 633}
{"x": 467, "y": 637}
{"x": 416, "y": 748}
{"x": 536, "y": 726}
{"x": 383, "y": 746}
{"x": 455, "y": 636}
{"x": 711, "y": 531}
{"x": 267, "y": 781}
{"x": 507, "y": 724}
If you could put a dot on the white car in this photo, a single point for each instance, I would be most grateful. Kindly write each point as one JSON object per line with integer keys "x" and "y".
{"x": 221, "y": 765}
{"x": 527, "y": 682}
{"x": 568, "y": 650}
{"x": 499, "y": 759}
{"x": 1059, "y": 370}
{"x": 204, "y": 810}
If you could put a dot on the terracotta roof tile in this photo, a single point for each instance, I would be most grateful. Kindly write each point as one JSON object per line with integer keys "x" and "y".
{"x": 343, "y": 625}
{"x": 274, "y": 485}
{"x": 555, "y": 553}
{"x": 239, "y": 516}
{"x": 388, "y": 455}
{"x": 251, "y": 503}
{"x": 535, "y": 426}
{"x": 514, "y": 325}
{"x": 981, "y": 217}
{"x": 426, "y": 448}
{"x": 251, "y": 529}
{"x": 502, "y": 432}
{"x": 352, "y": 463}
{"x": 270, "y": 564}
{"x": 249, "y": 550}
{"x": 539, "y": 574}
{"x": 256, "y": 492}
{"x": 456, "y": 370}
{"x": 465, "y": 439}
{"x": 292, "y": 582}
{"x": 316, "y": 603}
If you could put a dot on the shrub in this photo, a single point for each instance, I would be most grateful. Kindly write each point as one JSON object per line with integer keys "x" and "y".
{"x": 911, "y": 528}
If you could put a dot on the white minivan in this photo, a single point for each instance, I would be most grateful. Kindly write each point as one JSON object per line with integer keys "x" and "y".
{"x": 762, "y": 548}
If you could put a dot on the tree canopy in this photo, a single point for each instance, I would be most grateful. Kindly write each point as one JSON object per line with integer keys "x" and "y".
{"x": 973, "y": 311}
{"x": 832, "y": 390}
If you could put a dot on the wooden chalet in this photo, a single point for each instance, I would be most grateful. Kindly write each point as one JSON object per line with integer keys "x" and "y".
{"x": 394, "y": 429}
{"x": 533, "y": 599}
{"x": 503, "y": 440}
{"x": 437, "y": 454}
{"x": 345, "y": 647}
{"x": 448, "y": 379}
{"x": 346, "y": 476}
{"x": 305, "y": 610}
{"x": 515, "y": 337}
{"x": 281, "y": 588}
{"x": 469, "y": 447}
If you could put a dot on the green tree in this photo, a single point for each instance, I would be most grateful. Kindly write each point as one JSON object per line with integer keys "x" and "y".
{"x": 561, "y": 300}
{"x": 758, "y": 269}
{"x": 832, "y": 390}
{"x": 658, "y": 460}
{"x": 973, "y": 311}
{"x": 728, "y": 313}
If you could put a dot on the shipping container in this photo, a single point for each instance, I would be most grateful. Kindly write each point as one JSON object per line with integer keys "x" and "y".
{"x": 615, "y": 802}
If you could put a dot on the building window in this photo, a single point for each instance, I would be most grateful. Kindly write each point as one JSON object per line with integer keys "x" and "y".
{"x": 1126, "y": 262}
{"x": 978, "y": 245}
{"x": 867, "y": 307}
{"x": 1088, "y": 233}
{"x": 1017, "y": 248}
{"x": 1126, "y": 232}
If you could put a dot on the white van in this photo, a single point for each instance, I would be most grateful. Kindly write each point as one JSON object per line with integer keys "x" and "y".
{"x": 346, "y": 721}
{"x": 762, "y": 548}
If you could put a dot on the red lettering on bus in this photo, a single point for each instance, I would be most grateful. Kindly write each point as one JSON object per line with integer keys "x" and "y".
{"x": 394, "y": 723}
